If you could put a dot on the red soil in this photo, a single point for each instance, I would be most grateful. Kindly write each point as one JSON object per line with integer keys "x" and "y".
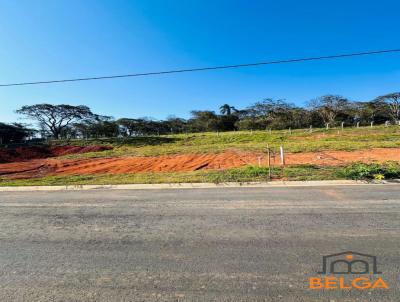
{"x": 185, "y": 162}
{"x": 339, "y": 158}
{"x": 173, "y": 163}
{"x": 119, "y": 165}
{"x": 35, "y": 152}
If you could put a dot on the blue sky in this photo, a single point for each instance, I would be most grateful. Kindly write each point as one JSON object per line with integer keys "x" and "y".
{"x": 42, "y": 40}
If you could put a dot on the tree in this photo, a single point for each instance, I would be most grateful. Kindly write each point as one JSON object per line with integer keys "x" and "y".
{"x": 174, "y": 124}
{"x": 227, "y": 109}
{"x": 129, "y": 126}
{"x": 329, "y": 107}
{"x": 271, "y": 113}
{"x": 375, "y": 111}
{"x": 227, "y": 122}
{"x": 144, "y": 126}
{"x": 104, "y": 129}
{"x": 297, "y": 118}
{"x": 55, "y": 118}
{"x": 147, "y": 126}
{"x": 393, "y": 101}
{"x": 203, "y": 121}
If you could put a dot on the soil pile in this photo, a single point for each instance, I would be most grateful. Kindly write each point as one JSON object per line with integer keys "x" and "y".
{"x": 65, "y": 150}
{"x": 36, "y": 152}
{"x": 119, "y": 165}
{"x": 172, "y": 163}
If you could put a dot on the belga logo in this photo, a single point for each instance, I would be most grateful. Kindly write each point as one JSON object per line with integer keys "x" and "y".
{"x": 340, "y": 270}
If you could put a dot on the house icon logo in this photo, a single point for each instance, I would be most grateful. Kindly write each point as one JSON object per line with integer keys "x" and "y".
{"x": 348, "y": 270}
{"x": 349, "y": 263}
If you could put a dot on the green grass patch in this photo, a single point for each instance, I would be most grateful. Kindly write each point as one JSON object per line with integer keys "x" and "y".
{"x": 244, "y": 174}
{"x": 356, "y": 171}
{"x": 299, "y": 140}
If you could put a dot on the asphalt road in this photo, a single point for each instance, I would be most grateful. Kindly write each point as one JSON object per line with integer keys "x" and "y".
{"x": 236, "y": 244}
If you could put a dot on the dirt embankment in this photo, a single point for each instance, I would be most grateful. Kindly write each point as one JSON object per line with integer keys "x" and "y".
{"x": 185, "y": 162}
{"x": 35, "y": 152}
{"x": 120, "y": 165}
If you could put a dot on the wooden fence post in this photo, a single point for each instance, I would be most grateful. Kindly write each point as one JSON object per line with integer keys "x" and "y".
{"x": 269, "y": 162}
{"x": 282, "y": 156}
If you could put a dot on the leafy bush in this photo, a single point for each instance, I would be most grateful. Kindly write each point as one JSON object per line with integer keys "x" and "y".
{"x": 376, "y": 171}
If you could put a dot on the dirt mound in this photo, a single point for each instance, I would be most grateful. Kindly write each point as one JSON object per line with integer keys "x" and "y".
{"x": 120, "y": 165}
{"x": 24, "y": 153}
{"x": 174, "y": 163}
{"x": 6, "y": 156}
{"x": 36, "y": 152}
{"x": 65, "y": 150}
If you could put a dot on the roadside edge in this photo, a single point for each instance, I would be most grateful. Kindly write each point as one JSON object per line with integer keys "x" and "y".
{"x": 196, "y": 185}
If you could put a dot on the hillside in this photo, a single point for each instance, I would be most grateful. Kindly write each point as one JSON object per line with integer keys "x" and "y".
{"x": 217, "y": 157}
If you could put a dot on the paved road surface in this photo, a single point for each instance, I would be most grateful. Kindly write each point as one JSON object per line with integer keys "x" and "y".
{"x": 237, "y": 244}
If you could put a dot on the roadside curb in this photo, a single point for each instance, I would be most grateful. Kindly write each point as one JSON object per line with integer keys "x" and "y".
{"x": 270, "y": 184}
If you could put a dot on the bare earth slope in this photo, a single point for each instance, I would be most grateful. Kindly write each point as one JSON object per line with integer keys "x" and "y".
{"x": 185, "y": 162}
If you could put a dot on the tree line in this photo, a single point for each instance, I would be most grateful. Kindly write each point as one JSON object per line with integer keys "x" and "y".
{"x": 67, "y": 121}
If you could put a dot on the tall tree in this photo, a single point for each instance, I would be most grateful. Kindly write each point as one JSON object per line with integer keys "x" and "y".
{"x": 329, "y": 107}
{"x": 203, "y": 121}
{"x": 129, "y": 125}
{"x": 55, "y": 118}
{"x": 226, "y": 109}
{"x": 269, "y": 113}
{"x": 373, "y": 111}
{"x": 393, "y": 101}
{"x": 178, "y": 125}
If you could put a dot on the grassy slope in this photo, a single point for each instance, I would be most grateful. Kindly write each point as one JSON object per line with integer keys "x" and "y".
{"x": 297, "y": 141}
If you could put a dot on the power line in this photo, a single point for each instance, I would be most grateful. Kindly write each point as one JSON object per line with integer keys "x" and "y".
{"x": 204, "y": 68}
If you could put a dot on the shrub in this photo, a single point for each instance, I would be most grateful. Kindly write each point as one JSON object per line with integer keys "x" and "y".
{"x": 376, "y": 171}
